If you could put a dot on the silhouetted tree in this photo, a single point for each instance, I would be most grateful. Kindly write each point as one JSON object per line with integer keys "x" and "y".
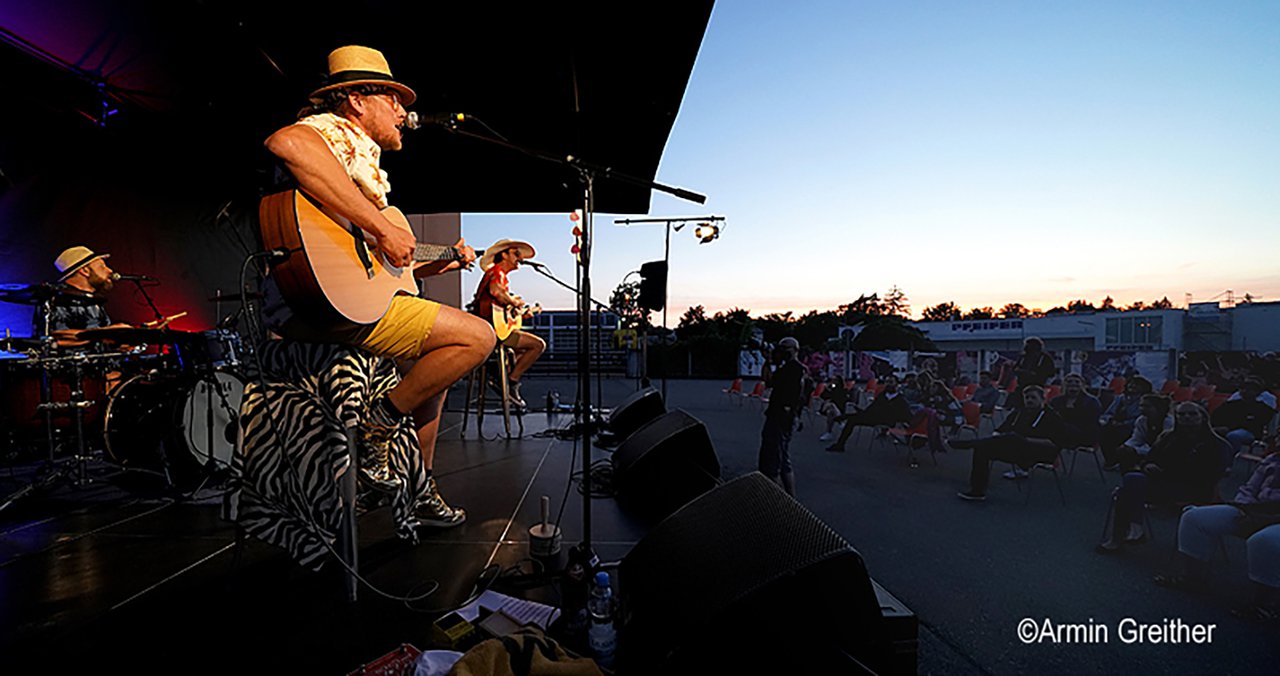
{"x": 942, "y": 312}
{"x": 980, "y": 313}
{"x": 1162, "y": 304}
{"x": 625, "y": 302}
{"x": 1014, "y": 311}
{"x": 895, "y": 302}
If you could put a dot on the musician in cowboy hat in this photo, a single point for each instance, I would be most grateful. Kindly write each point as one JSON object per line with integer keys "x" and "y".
{"x": 84, "y": 279}
{"x": 334, "y": 152}
{"x": 495, "y": 291}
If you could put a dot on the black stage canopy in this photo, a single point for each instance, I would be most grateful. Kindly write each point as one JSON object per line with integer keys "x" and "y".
{"x": 207, "y": 81}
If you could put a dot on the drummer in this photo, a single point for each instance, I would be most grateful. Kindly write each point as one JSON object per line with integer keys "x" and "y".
{"x": 81, "y": 299}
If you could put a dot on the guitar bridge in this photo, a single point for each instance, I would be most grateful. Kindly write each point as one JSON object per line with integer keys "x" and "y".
{"x": 362, "y": 250}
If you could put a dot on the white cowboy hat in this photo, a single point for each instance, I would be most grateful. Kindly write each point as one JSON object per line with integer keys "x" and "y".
{"x": 526, "y": 251}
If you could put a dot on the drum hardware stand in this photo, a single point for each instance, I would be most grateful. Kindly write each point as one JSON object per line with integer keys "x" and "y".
{"x": 77, "y": 404}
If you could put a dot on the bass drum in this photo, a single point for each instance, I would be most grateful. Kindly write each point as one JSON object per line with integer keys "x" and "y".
{"x": 162, "y": 423}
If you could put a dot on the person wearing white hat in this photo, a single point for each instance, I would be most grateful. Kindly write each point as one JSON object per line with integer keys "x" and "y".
{"x": 785, "y": 375}
{"x": 498, "y": 261}
{"x": 334, "y": 154}
{"x": 84, "y": 279}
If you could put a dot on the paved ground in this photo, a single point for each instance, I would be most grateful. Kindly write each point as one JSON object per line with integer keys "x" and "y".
{"x": 153, "y": 586}
{"x": 973, "y": 571}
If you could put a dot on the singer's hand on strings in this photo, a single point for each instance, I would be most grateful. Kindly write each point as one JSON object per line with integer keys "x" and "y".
{"x": 397, "y": 246}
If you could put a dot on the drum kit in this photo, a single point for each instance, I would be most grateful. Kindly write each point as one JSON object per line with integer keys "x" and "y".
{"x": 152, "y": 399}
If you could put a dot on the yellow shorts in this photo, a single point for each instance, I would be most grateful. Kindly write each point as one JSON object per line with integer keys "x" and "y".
{"x": 401, "y": 333}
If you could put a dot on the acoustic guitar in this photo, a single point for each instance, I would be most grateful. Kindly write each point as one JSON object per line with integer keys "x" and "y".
{"x": 335, "y": 270}
{"x": 508, "y": 320}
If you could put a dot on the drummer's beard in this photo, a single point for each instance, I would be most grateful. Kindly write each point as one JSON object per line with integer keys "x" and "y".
{"x": 101, "y": 283}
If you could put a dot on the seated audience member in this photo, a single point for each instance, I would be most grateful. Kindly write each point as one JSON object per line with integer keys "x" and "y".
{"x": 949, "y": 410}
{"x": 1030, "y": 435}
{"x": 834, "y": 400}
{"x": 987, "y": 396}
{"x": 888, "y": 408}
{"x": 1253, "y": 514}
{"x": 912, "y": 392}
{"x": 1155, "y": 419}
{"x": 1244, "y": 417}
{"x": 1182, "y": 467}
{"x": 1079, "y": 410}
{"x": 1117, "y": 421}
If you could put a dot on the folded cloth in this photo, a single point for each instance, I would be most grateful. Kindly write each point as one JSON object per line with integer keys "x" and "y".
{"x": 525, "y": 652}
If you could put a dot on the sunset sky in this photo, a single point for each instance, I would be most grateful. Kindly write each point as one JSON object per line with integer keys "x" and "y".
{"x": 974, "y": 152}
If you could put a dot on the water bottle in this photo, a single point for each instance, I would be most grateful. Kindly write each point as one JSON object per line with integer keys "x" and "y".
{"x": 602, "y": 637}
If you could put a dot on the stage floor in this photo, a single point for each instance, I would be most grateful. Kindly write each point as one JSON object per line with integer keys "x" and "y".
{"x": 102, "y": 577}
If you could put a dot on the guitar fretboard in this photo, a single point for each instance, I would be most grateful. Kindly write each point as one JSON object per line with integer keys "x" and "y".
{"x": 434, "y": 252}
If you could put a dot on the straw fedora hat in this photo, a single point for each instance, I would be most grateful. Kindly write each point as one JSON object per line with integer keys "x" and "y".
{"x": 356, "y": 65}
{"x": 74, "y": 258}
{"x": 526, "y": 251}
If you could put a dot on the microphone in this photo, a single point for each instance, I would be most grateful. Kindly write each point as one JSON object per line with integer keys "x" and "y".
{"x": 416, "y": 121}
{"x": 117, "y": 277}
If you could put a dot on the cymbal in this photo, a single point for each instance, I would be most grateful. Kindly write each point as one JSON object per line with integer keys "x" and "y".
{"x": 130, "y": 335}
{"x": 253, "y": 295}
{"x": 27, "y": 294}
{"x": 17, "y": 344}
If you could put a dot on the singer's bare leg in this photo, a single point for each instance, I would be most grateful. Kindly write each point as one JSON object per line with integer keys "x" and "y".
{"x": 528, "y": 347}
{"x": 427, "y": 420}
{"x": 458, "y": 343}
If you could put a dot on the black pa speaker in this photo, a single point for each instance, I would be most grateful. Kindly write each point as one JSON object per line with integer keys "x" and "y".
{"x": 653, "y": 285}
{"x": 636, "y": 410}
{"x": 746, "y": 580}
{"x": 664, "y": 464}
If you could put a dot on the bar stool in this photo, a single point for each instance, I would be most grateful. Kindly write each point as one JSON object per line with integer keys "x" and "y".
{"x": 504, "y": 356}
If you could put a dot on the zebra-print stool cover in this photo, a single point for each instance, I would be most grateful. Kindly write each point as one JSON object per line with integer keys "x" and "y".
{"x": 312, "y": 391}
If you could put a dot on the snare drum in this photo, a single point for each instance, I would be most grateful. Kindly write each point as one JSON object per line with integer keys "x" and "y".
{"x": 162, "y": 422}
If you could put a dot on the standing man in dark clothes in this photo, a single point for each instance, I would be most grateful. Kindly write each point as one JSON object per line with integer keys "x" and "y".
{"x": 889, "y": 408}
{"x": 784, "y": 374}
{"x": 1034, "y": 367}
{"x": 1030, "y": 435}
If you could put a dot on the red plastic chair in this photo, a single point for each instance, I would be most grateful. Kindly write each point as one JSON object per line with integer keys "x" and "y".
{"x": 1170, "y": 386}
{"x": 970, "y": 389}
{"x": 1203, "y": 392}
{"x": 734, "y": 389}
{"x": 960, "y": 392}
{"x": 1117, "y": 384}
{"x": 1053, "y": 391}
{"x": 1182, "y": 394}
{"x": 1218, "y": 399}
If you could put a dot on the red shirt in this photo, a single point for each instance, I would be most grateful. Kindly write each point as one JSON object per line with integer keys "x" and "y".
{"x": 484, "y": 299}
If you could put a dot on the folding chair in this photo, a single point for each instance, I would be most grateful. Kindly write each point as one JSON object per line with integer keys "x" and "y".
{"x": 1095, "y": 450}
{"x": 913, "y": 437}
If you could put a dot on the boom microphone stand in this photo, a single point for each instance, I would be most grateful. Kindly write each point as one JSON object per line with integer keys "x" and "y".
{"x": 588, "y": 173}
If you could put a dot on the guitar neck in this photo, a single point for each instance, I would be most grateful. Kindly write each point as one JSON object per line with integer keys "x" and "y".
{"x": 424, "y": 253}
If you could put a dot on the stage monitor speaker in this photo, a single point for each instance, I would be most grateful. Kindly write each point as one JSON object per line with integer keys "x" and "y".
{"x": 746, "y": 580}
{"x": 664, "y": 464}
{"x": 636, "y": 410}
